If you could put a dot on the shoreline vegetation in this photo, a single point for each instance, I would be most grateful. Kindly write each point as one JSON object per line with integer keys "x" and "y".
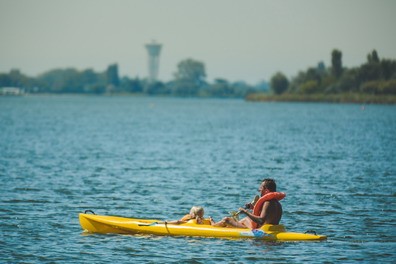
{"x": 373, "y": 82}
{"x": 354, "y": 98}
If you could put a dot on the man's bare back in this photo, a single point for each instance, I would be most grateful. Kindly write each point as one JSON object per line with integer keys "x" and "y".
{"x": 272, "y": 212}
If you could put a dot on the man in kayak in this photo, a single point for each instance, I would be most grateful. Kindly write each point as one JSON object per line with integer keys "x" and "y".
{"x": 267, "y": 210}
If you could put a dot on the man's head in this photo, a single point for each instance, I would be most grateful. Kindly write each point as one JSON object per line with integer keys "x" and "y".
{"x": 267, "y": 185}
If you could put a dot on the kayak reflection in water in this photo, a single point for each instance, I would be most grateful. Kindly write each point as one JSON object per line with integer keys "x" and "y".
{"x": 267, "y": 210}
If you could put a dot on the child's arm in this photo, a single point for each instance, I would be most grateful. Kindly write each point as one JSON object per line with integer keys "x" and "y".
{"x": 177, "y": 222}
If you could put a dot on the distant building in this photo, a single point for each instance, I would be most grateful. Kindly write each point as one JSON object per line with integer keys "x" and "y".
{"x": 154, "y": 50}
{"x": 11, "y": 91}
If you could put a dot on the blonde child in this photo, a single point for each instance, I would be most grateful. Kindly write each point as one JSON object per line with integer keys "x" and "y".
{"x": 196, "y": 212}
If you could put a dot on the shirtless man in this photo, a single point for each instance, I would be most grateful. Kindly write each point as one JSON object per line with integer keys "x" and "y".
{"x": 271, "y": 211}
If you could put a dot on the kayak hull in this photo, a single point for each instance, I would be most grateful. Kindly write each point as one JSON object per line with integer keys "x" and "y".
{"x": 120, "y": 225}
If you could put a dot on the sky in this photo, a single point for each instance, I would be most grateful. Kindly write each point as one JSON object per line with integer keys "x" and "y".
{"x": 237, "y": 40}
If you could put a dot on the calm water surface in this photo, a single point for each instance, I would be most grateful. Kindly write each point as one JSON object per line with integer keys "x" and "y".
{"x": 156, "y": 157}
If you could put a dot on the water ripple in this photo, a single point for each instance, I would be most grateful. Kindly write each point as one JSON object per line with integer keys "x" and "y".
{"x": 118, "y": 156}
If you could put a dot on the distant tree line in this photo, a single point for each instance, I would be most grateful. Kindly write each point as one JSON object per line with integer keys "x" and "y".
{"x": 376, "y": 77}
{"x": 189, "y": 81}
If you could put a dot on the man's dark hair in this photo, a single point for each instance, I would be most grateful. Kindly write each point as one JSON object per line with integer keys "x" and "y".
{"x": 269, "y": 184}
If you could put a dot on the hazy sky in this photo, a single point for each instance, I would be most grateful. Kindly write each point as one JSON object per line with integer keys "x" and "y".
{"x": 236, "y": 39}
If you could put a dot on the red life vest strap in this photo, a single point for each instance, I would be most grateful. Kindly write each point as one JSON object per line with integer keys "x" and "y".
{"x": 267, "y": 197}
{"x": 259, "y": 204}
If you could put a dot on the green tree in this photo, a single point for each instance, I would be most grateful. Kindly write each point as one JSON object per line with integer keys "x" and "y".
{"x": 185, "y": 88}
{"x": 89, "y": 79}
{"x": 309, "y": 87}
{"x": 336, "y": 63}
{"x": 373, "y": 57}
{"x": 279, "y": 83}
{"x": 112, "y": 75}
{"x": 369, "y": 72}
{"x": 379, "y": 87}
{"x": 131, "y": 85}
{"x": 71, "y": 81}
{"x": 189, "y": 78}
{"x": 156, "y": 88}
{"x": 5, "y": 80}
{"x": 316, "y": 75}
{"x": 221, "y": 88}
{"x": 321, "y": 68}
{"x": 191, "y": 70}
{"x": 349, "y": 81}
{"x": 241, "y": 88}
{"x": 16, "y": 78}
{"x": 388, "y": 69}
{"x": 61, "y": 81}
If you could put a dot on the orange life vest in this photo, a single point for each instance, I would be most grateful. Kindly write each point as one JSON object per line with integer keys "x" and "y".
{"x": 259, "y": 204}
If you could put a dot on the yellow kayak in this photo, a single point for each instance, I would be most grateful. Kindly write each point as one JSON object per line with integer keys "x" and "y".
{"x": 120, "y": 225}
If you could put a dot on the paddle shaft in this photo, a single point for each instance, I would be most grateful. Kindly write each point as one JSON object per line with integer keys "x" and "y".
{"x": 247, "y": 206}
{"x": 153, "y": 223}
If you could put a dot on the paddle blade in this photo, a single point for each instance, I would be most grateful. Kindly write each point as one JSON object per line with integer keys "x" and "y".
{"x": 254, "y": 201}
{"x": 235, "y": 215}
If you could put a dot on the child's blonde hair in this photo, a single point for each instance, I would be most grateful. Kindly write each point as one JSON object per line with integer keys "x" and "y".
{"x": 196, "y": 211}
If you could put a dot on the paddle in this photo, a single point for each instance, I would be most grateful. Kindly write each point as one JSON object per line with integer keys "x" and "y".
{"x": 153, "y": 223}
{"x": 235, "y": 215}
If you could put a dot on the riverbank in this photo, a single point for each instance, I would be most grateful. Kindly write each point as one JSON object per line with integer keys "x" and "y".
{"x": 357, "y": 98}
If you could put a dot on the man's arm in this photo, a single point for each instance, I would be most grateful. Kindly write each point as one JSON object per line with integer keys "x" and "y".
{"x": 260, "y": 220}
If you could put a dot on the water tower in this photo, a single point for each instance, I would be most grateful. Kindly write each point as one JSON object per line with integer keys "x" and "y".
{"x": 154, "y": 50}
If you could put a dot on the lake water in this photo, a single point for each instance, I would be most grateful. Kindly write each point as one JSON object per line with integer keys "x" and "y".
{"x": 156, "y": 157}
